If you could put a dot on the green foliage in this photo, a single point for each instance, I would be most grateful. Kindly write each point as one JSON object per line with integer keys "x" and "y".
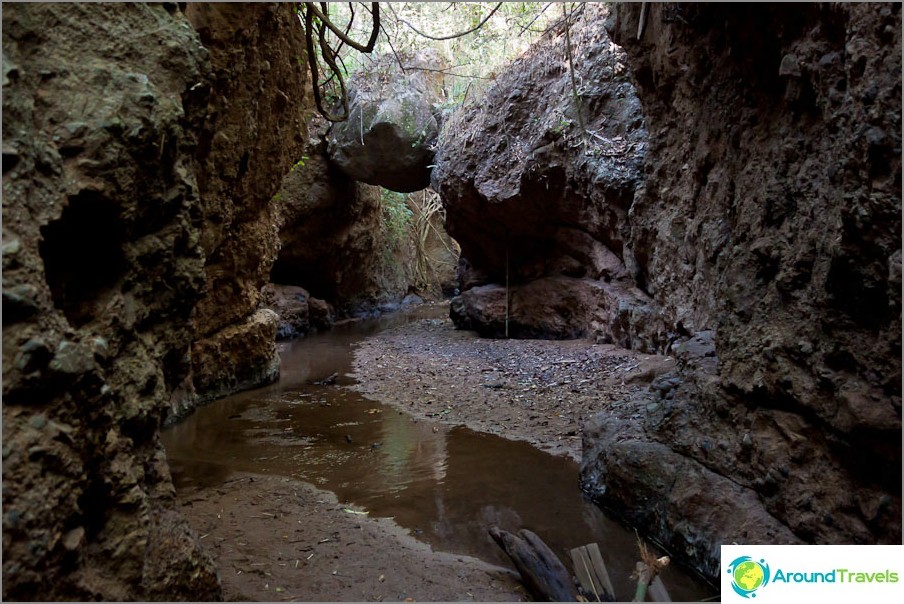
{"x": 396, "y": 216}
{"x": 299, "y": 163}
{"x": 473, "y": 58}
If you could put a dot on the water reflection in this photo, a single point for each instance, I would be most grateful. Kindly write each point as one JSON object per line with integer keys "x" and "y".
{"x": 447, "y": 486}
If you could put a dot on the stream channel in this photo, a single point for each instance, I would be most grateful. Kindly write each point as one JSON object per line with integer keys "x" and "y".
{"x": 444, "y": 484}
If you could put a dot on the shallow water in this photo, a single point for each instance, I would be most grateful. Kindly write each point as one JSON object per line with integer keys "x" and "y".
{"x": 445, "y": 485}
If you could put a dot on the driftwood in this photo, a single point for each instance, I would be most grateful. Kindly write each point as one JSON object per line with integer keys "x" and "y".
{"x": 543, "y": 573}
{"x": 547, "y": 579}
{"x": 592, "y": 574}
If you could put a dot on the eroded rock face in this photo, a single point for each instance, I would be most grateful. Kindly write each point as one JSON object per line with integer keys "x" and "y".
{"x": 529, "y": 199}
{"x": 254, "y": 133}
{"x": 333, "y": 236}
{"x": 298, "y": 312}
{"x": 387, "y": 139}
{"x": 763, "y": 246}
{"x": 771, "y": 214}
{"x": 102, "y": 264}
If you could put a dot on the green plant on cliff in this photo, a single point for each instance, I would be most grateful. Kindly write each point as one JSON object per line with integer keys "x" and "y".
{"x": 396, "y": 217}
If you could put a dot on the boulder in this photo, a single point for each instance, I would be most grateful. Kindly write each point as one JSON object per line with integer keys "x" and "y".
{"x": 530, "y": 197}
{"x": 298, "y": 313}
{"x": 388, "y": 137}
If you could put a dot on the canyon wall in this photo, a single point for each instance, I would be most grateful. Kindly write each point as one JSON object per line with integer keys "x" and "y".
{"x": 737, "y": 207}
{"x": 768, "y": 225}
{"x": 332, "y": 235}
{"x": 102, "y": 265}
{"x": 254, "y": 132}
{"x": 142, "y": 146}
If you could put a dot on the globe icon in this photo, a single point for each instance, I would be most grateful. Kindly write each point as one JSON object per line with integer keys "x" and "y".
{"x": 748, "y": 575}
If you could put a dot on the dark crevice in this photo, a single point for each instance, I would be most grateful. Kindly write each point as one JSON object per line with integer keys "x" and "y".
{"x": 83, "y": 255}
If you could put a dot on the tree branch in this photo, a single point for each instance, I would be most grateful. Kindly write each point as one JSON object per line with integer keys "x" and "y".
{"x": 464, "y": 33}
{"x": 375, "y": 12}
{"x": 328, "y": 54}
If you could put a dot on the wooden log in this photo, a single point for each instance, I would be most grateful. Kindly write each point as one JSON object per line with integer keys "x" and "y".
{"x": 591, "y": 572}
{"x": 650, "y": 587}
{"x": 658, "y": 592}
{"x": 543, "y": 573}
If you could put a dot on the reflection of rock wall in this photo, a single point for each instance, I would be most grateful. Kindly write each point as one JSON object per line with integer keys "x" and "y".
{"x": 102, "y": 265}
{"x": 771, "y": 214}
{"x": 254, "y": 132}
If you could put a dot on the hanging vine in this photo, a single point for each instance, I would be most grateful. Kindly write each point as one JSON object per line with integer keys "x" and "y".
{"x": 316, "y": 25}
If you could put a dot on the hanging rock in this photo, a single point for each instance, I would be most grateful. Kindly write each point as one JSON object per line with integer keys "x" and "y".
{"x": 389, "y": 135}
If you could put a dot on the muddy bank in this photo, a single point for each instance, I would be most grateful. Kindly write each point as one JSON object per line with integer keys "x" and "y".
{"x": 244, "y": 465}
{"x": 539, "y": 391}
{"x": 278, "y": 539}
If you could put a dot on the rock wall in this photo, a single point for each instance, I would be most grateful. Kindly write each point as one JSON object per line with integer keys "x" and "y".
{"x": 332, "y": 236}
{"x": 254, "y": 132}
{"x": 102, "y": 264}
{"x": 755, "y": 236}
{"x": 535, "y": 203}
{"x": 771, "y": 214}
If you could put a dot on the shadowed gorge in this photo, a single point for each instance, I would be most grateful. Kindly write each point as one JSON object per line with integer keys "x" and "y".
{"x": 659, "y": 243}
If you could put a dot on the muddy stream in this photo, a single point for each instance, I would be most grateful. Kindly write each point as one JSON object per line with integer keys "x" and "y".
{"x": 444, "y": 485}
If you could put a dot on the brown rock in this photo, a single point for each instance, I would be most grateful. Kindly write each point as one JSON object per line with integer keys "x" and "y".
{"x": 334, "y": 237}
{"x": 530, "y": 197}
{"x": 101, "y": 268}
{"x": 237, "y": 358}
{"x": 255, "y": 132}
{"x": 755, "y": 227}
{"x": 298, "y": 312}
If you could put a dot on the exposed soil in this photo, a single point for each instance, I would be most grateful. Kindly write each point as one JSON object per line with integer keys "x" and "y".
{"x": 278, "y": 539}
{"x": 540, "y": 391}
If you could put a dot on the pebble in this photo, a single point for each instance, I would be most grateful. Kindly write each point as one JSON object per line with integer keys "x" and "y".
{"x": 38, "y": 421}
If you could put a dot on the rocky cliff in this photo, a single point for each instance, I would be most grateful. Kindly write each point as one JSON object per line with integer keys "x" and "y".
{"x": 255, "y": 130}
{"x": 776, "y": 223}
{"x": 537, "y": 179}
{"x": 751, "y": 229}
{"x": 102, "y": 264}
{"x": 771, "y": 215}
{"x": 331, "y": 230}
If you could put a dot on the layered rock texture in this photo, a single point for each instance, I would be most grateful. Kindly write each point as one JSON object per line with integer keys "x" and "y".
{"x": 255, "y": 130}
{"x": 102, "y": 264}
{"x": 389, "y": 135}
{"x": 541, "y": 207}
{"x": 771, "y": 213}
{"x": 760, "y": 246}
